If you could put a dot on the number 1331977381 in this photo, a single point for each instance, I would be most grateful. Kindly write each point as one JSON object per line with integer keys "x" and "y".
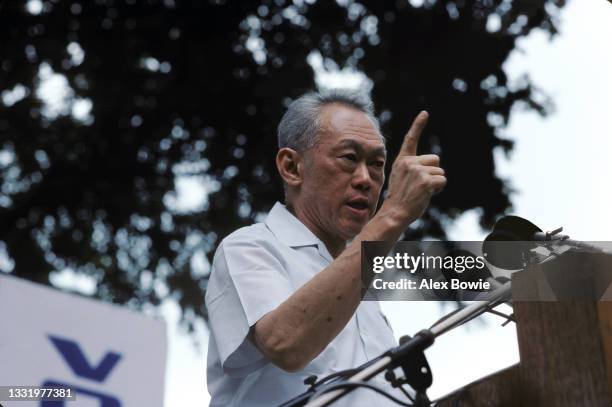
{"x": 35, "y": 393}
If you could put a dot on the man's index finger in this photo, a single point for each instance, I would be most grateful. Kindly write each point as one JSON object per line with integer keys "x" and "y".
{"x": 411, "y": 140}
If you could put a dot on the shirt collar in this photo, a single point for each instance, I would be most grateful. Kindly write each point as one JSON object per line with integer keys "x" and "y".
{"x": 291, "y": 231}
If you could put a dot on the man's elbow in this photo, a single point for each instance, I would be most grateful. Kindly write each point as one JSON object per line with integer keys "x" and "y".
{"x": 282, "y": 352}
{"x": 290, "y": 363}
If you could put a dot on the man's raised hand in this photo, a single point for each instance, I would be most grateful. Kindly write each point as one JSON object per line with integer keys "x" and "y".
{"x": 414, "y": 178}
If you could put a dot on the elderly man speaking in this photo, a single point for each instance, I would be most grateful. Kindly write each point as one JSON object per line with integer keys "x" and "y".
{"x": 284, "y": 298}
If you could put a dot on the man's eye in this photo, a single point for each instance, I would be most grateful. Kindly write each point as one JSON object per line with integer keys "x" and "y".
{"x": 350, "y": 157}
{"x": 379, "y": 164}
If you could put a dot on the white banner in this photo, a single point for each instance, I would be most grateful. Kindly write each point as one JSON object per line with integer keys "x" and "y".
{"x": 110, "y": 356}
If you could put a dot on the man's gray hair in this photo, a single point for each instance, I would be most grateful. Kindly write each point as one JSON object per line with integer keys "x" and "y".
{"x": 300, "y": 124}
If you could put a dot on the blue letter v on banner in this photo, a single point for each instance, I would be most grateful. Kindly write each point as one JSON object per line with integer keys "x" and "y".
{"x": 79, "y": 364}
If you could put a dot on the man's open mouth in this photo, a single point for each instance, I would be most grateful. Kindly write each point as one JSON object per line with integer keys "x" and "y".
{"x": 359, "y": 205}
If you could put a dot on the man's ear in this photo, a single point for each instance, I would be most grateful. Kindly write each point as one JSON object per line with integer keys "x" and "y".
{"x": 289, "y": 164}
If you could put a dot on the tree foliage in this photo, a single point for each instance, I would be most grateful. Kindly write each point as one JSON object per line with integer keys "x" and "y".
{"x": 153, "y": 93}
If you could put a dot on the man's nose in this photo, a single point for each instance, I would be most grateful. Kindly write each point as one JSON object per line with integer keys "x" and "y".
{"x": 362, "y": 180}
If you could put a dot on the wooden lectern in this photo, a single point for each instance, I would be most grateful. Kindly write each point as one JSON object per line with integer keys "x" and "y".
{"x": 563, "y": 313}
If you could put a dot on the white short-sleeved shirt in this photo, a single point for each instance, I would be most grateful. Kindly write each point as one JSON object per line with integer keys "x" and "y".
{"x": 254, "y": 270}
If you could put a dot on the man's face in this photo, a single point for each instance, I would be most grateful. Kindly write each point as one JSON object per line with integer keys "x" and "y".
{"x": 343, "y": 173}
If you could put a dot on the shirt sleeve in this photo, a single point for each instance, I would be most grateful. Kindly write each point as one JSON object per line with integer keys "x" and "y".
{"x": 248, "y": 280}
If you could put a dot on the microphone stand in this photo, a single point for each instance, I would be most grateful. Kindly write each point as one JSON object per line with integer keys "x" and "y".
{"x": 402, "y": 354}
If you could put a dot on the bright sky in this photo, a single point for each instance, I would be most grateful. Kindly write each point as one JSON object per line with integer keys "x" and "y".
{"x": 560, "y": 167}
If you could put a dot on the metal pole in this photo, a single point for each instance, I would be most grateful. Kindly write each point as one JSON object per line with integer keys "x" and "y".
{"x": 365, "y": 374}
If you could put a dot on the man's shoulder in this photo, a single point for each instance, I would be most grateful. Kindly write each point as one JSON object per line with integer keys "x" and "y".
{"x": 254, "y": 232}
{"x": 248, "y": 244}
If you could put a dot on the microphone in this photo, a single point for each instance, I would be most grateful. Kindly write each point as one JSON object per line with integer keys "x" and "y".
{"x": 510, "y": 238}
{"x": 513, "y": 237}
{"x": 514, "y": 228}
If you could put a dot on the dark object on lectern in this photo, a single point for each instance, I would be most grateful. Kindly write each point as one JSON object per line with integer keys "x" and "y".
{"x": 511, "y": 238}
{"x": 509, "y": 246}
{"x": 516, "y": 228}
